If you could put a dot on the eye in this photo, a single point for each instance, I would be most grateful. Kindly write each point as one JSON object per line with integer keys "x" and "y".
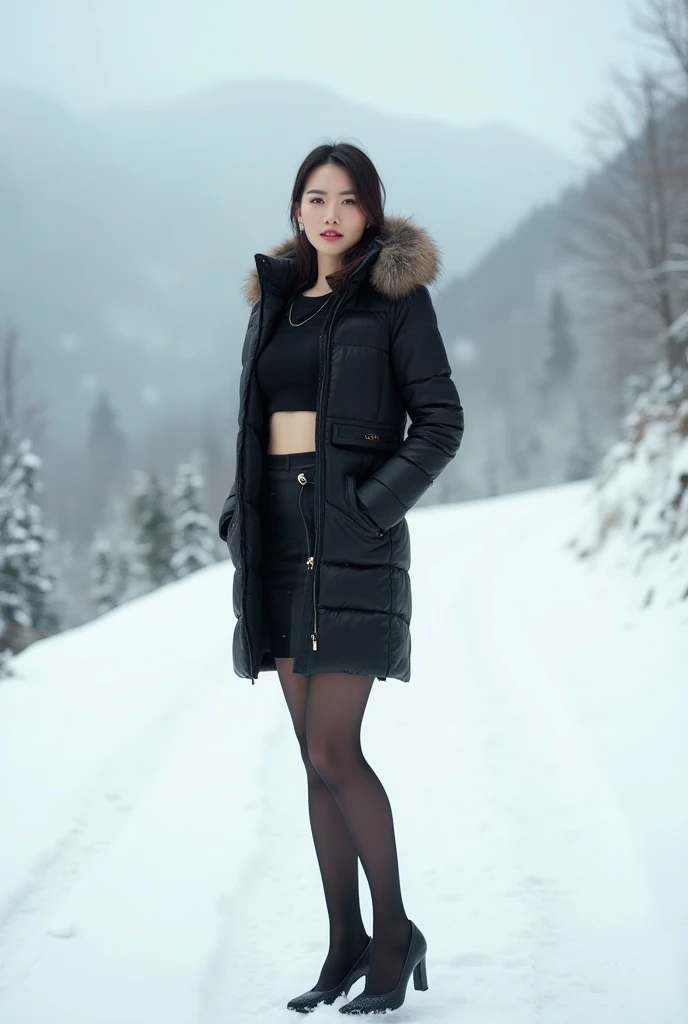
{"x": 318, "y": 199}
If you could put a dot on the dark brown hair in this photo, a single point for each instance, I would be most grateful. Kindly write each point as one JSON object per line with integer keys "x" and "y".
{"x": 370, "y": 195}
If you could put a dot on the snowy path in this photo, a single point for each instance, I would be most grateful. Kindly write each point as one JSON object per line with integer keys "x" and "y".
{"x": 539, "y": 826}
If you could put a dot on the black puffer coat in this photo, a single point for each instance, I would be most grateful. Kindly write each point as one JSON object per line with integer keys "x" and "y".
{"x": 381, "y": 357}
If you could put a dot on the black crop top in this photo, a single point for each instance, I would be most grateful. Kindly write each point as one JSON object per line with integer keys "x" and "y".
{"x": 287, "y": 367}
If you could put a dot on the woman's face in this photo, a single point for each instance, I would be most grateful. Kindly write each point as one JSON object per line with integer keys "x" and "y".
{"x": 329, "y": 203}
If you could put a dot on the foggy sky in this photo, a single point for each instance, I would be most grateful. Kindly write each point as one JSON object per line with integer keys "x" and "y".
{"x": 537, "y": 65}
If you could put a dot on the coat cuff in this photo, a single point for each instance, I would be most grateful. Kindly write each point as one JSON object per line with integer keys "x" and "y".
{"x": 381, "y": 506}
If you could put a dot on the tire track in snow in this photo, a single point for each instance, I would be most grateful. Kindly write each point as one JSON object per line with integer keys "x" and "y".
{"x": 485, "y": 961}
{"x": 258, "y": 956}
{"x": 579, "y": 873}
{"x": 102, "y": 815}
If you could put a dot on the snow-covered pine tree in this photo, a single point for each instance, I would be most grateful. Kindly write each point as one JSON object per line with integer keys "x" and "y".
{"x": 105, "y": 434}
{"x": 27, "y": 579}
{"x": 491, "y": 469}
{"x": 193, "y": 537}
{"x": 556, "y": 420}
{"x": 584, "y": 455}
{"x": 104, "y": 576}
{"x": 131, "y": 572}
{"x": 6, "y": 667}
{"x": 560, "y": 351}
{"x": 105, "y": 463}
{"x": 153, "y": 525}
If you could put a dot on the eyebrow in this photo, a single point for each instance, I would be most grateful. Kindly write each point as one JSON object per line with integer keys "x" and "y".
{"x": 322, "y": 192}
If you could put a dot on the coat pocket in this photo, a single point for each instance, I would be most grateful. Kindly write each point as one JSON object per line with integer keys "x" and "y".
{"x": 365, "y": 436}
{"x": 355, "y": 510}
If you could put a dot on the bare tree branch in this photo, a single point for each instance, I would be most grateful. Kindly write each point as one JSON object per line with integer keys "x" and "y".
{"x": 666, "y": 23}
{"x": 634, "y": 212}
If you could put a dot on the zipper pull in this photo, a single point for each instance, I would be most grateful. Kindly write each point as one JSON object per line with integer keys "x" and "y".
{"x": 314, "y": 638}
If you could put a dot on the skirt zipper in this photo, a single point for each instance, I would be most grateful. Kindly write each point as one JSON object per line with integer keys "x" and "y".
{"x": 303, "y": 480}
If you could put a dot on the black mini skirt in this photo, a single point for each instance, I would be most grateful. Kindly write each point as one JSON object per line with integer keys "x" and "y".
{"x": 287, "y": 524}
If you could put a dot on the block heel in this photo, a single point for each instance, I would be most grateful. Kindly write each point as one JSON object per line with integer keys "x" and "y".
{"x": 420, "y": 976}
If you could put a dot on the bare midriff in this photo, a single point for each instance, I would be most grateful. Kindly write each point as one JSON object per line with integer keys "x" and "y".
{"x": 291, "y": 432}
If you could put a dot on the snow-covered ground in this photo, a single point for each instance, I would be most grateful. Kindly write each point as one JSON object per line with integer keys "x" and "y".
{"x": 156, "y": 863}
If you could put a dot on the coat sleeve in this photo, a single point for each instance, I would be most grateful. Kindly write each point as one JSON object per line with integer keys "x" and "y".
{"x": 230, "y": 500}
{"x": 421, "y": 368}
{"x": 227, "y": 512}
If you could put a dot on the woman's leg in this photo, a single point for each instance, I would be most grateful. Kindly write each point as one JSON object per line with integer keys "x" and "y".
{"x": 336, "y": 853}
{"x": 334, "y": 712}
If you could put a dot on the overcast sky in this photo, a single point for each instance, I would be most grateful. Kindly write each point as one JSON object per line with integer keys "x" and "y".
{"x": 535, "y": 64}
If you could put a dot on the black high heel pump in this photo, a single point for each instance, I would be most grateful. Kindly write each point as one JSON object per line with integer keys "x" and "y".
{"x": 414, "y": 964}
{"x": 308, "y": 1001}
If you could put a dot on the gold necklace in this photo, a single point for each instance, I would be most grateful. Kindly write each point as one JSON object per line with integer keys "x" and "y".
{"x": 302, "y": 322}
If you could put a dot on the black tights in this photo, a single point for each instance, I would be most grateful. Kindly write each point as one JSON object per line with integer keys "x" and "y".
{"x": 350, "y": 818}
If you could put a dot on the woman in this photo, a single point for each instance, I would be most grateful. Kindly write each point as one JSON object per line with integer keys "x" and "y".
{"x": 342, "y": 343}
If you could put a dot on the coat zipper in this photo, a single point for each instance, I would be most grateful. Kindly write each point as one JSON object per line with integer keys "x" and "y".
{"x": 319, "y": 455}
{"x": 320, "y": 448}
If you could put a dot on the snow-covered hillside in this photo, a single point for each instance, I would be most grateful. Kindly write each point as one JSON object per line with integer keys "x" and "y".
{"x": 156, "y": 862}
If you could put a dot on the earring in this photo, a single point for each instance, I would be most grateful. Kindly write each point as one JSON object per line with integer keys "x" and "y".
{"x": 301, "y": 227}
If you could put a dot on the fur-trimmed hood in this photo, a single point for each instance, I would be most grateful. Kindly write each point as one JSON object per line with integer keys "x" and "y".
{"x": 408, "y": 258}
